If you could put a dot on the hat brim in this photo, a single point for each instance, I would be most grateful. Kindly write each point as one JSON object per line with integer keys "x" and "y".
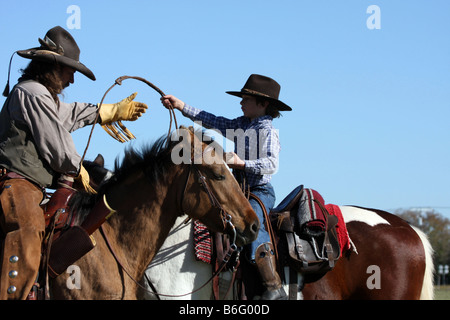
{"x": 275, "y": 102}
{"x": 36, "y": 54}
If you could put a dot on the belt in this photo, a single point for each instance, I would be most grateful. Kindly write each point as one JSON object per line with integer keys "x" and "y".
{"x": 6, "y": 174}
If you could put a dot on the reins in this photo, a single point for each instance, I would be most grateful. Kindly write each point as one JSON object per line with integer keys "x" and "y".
{"x": 226, "y": 219}
{"x": 119, "y": 81}
{"x": 223, "y": 264}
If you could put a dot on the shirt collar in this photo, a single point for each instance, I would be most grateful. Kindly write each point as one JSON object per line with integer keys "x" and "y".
{"x": 261, "y": 119}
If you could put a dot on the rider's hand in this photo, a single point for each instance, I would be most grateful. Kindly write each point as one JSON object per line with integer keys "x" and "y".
{"x": 171, "y": 101}
{"x": 234, "y": 162}
{"x": 83, "y": 178}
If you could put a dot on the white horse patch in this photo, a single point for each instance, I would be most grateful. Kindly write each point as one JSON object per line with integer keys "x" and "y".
{"x": 362, "y": 215}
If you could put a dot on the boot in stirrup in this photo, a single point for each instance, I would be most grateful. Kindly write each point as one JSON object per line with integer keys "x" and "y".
{"x": 265, "y": 261}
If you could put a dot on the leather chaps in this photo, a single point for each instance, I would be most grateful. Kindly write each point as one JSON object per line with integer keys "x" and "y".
{"x": 22, "y": 228}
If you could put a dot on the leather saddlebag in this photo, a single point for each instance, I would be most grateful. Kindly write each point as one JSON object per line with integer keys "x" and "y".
{"x": 67, "y": 249}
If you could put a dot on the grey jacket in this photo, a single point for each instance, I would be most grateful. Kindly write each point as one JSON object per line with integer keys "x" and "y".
{"x": 35, "y": 139}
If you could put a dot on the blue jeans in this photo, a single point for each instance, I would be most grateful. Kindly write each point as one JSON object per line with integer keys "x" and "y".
{"x": 266, "y": 194}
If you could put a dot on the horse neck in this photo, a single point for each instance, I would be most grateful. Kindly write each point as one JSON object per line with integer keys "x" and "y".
{"x": 145, "y": 215}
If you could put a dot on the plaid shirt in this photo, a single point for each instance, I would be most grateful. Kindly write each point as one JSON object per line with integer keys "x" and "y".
{"x": 256, "y": 142}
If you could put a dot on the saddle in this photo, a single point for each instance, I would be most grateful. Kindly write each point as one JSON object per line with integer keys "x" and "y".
{"x": 308, "y": 240}
{"x": 66, "y": 238}
{"x": 305, "y": 232}
{"x": 56, "y": 207}
{"x": 65, "y": 242}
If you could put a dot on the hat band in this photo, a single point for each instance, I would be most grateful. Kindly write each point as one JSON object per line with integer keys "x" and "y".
{"x": 53, "y": 53}
{"x": 256, "y": 92}
{"x": 47, "y": 52}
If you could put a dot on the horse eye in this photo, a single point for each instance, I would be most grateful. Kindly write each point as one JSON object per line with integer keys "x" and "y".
{"x": 219, "y": 176}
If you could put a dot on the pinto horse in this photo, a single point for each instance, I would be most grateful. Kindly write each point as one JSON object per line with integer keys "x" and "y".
{"x": 148, "y": 192}
{"x": 390, "y": 259}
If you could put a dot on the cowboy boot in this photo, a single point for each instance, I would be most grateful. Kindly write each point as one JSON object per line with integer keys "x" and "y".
{"x": 266, "y": 264}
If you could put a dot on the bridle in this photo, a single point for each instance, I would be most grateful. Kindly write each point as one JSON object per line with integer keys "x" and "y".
{"x": 226, "y": 218}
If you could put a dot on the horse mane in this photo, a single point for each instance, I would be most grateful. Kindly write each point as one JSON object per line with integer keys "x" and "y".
{"x": 153, "y": 159}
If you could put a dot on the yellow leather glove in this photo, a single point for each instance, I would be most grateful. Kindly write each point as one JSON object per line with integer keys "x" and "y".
{"x": 83, "y": 179}
{"x": 112, "y": 114}
{"x": 127, "y": 109}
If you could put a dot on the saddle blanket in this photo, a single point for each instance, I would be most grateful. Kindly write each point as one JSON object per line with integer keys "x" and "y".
{"x": 341, "y": 228}
{"x": 311, "y": 217}
{"x": 203, "y": 240}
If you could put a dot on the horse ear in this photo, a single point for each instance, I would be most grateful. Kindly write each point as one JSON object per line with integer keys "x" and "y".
{"x": 193, "y": 142}
{"x": 214, "y": 153}
{"x": 100, "y": 160}
{"x": 196, "y": 146}
{"x": 186, "y": 133}
{"x": 182, "y": 152}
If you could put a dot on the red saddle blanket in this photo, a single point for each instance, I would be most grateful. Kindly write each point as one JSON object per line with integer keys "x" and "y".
{"x": 341, "y": 228}
{"x": 311, "y": 217}
{"x": 315, "y": 219}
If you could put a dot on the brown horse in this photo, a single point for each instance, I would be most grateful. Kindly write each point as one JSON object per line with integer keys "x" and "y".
{"x": 149, "y": 192}
{"x": 392, "y": 261}
{"x": 389, "y": 260}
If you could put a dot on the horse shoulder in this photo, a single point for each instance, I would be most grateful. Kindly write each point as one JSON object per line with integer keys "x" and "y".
{"x": 174, "y": 270}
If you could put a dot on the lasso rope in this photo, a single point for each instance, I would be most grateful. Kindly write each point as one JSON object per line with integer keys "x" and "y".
{"x": 115, "y": 129}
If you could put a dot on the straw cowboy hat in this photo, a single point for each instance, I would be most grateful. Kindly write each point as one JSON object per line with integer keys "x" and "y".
{"x": 264, "y": 87}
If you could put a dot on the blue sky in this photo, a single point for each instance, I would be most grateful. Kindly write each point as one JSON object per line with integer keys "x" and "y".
{"x": 371, "y": 107}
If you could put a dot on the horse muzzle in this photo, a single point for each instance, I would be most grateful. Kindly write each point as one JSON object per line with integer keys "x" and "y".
{"x": 249, "y": 234}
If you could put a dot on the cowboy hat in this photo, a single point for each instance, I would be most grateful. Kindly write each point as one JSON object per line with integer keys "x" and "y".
{"x": 59, "y": 47}
{"x": 264, "y": 87}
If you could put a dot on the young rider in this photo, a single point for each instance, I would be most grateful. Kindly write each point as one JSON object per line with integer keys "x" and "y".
{"x": 257, "y": 161}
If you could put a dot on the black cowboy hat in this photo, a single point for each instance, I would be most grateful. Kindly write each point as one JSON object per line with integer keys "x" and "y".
{"x": 59, "y": 47}
{"x": 264, "y": 87}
